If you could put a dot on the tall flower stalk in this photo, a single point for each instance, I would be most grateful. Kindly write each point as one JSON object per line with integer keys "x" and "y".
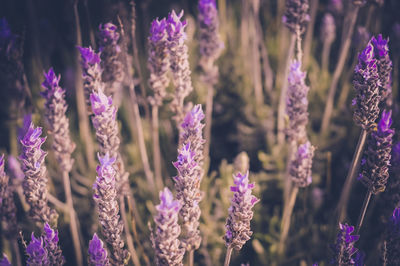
{"x": 210, "y": 46}
{"x": 366, "y": 111}
{"x": 158, "y": 64}
{"x": 237, "y": 224}
{"x": 179, "y": 63}
{"x": 63, "y": 146}
{"x": 190, "y": 172}
{"x": 35, "y": 181}
{"x": 165, "y": 242}
{"x": 105, "y": 196}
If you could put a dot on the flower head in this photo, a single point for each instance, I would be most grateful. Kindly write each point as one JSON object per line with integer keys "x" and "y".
{"x": 301, "y": 165}
{"x": 158, "y": 30}
{"x": 344, "y": 247}
{"x": 296, "y": 15}
{"x": 175, "y": 26}
{"x": 51, "y": 244}
{"x": 89, "y": 57}
{"x": 37, "y": 254}
{"x": 380, "y": 45}
{"x": 4, "y": 261}
{"x": 97, "y": 253}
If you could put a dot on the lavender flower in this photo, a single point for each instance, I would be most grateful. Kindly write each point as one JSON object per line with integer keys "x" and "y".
{"x": 105, "y": 124}
{"x": 110, "y": 51}
{"x": 328, "y": 28}
{"x": 57, "y": 120}
{"x": 14, "y": 170}
{"x": 296, "y": 15}
{"x": 375, "y": 164}
{"x": 97, "y": 253}
{"x": 300, "y": 166}
{"x": 92, "y": 72}
{"x": 159, "y": 61}
{"x": 51, "y": 245}
{"x": 35, "y": 182}
{"x": 344, "y": 247}
{"x": 165, "y": 239}
{"x": 190, "y": 173}
{"x": 297, "y": 104}
{"x": 210, "y": 42}
{"x": 384, "y": 65}
{"x": 37, "y": 254}
{"x": 240, "y": 214}
{"x": 8, "y": 210}
{"x": 366, "y": 81}
{"x": 105, "y": 196}
{"x": 392, "y": 256}
{"x": 179, "y": 63}
{"x": 4, "y": 261}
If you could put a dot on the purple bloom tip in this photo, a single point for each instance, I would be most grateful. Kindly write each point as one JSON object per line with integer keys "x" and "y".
{"x": 386, "y": 121}
{"x": 36, "y": 252}
{"x": 51, "y": 234}
{"x": 32, "y": 135}
{"x": 158, "y": 30}
{"x": 100, "y": 102}
{"x": 367, "y": 55}
{"x": 175, "y": 25}
{"x": 89, "y": 56}
{"x": 97, "y": 253}
{"x": 381, "y": 45}
{"x": 167, "y": 201}
{"x": 193, "y": 117}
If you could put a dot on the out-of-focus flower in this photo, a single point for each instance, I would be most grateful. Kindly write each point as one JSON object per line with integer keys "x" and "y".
{"x": 110, "y": 51}
{"x": 366, "y": 84}
{"x": 105, "y": 196}
{"x": 4, "y": 261}
{"x": 297, "y": 103}
{"x": 179, "y": 63}
{"x": 301, "y": 166}
{"x": 159, "y": 61}
{"x": 296, "y": 15}
{"x": 14, "y": 170}
{"x": 375, "y": 165}
{"x": 57, "y": 121}
{"x": 237, "y": 225}
{"x": 97, "y": 253}
{"x": 165, "y": 236}
{"x": 35, "y": 182}
{"x": 344, "y": 247}
{"x": 328, "y": 28}
{"x": 37, "y": 254}
{"x": 51, "y": 244}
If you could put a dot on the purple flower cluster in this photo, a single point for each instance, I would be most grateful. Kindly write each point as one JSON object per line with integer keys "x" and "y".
{"x": 105, "y": 196}
{"x": 97, "y": 253}
{"x": 4, "y": 261}
{"x": 159, "y": 60}
{"x": 366, "y": 80}
{"x": 240, "y": 214}
{"x": 375, "y": 164}
{"x": 384, "y": 64}
{"x": 35, "y": 182}
{"x": 210, "y": 43}
{"x": 110, "y": 51}
{"x": 8, "y": 209}
{"x": 297, "y": 104}
{"x": 296, "y": 15}
{"x": 301, "y": 165}
{"x": 57, "y": 121}
{"x": 51, "y": 244}
{"x": 92, "y": 72}
{"x": 179, "y": 63}
{"x": 165, "y": 236}
{"x": 37, "y": 254}
{"x": 392, "y": 256}
{"x": 344, "y": 247}
{"x": 190, "y": 173}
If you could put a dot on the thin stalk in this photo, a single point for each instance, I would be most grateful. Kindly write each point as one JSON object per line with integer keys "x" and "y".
{"x": 310, "y": 31}
{"x": 344, "y": 50}
{"x": 282, "y": 98}
{"x": 228, "y": 256}
{"x": 344, "y": 197}
{"x": 191, "y": 258}
{"x": 56, "y": 202}
{"x": 255, "y": 54}
{"x": 156, "y": 147}
{"x": 326, "y": 50}
{"x": 83, "y": 120}
{"x": 207, "y": 127}
{"x": 72, "y": 223}
{"x": 363, "y": 211}
{"x": 287, "y": 215}
{"x": 287, "y": 185}
{"x": 16, "y": 253}
{"x": 129, "y": 240}
{"x": 88, "y": 20}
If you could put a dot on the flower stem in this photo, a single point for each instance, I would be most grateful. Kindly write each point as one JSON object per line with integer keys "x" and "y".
{"x": 207, "y": 127}
{"x": 344, "y": 197}
{"x": 17, "y": 254}
{"x": 363, "y": 210}
{"x": 228, "y": 256}
{"x": 72, "y": 223}
{"x": 156, "y": 147}
{"x": 191, "y": 257}
{"x": 287, "y": 214}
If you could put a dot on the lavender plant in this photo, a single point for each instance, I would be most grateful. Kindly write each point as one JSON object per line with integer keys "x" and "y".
{"x": 237, "y": 225}
{"x": 179, "y": 63}
{"x": 97, "y": 253}
{"x": 35, "y": 182}
{"x": 296, "y": 15}
{"x": 37, "y": 254}
{"x": 110, "y": 51}
{"x": 300, "y": 166}
{"x": 105, "y": 196}
{"x": 165, "y": 242}
{"x": 50, "y": 239}
{"x": 344, "y": 249}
